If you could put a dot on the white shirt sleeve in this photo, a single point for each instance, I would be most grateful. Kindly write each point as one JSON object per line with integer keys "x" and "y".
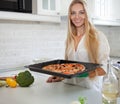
{"x": 104, "y": 51}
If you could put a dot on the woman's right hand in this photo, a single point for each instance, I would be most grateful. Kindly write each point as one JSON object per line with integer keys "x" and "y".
{"x": 54, "y": 79}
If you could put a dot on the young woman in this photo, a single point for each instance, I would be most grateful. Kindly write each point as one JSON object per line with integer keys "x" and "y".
{"x": 84, "y": 43}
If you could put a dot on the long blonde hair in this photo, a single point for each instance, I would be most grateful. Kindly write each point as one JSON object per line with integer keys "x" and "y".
{"x": 91, "y": 42}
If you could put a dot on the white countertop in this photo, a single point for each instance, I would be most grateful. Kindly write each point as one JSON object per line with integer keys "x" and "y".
{"x": 46, "y": 93}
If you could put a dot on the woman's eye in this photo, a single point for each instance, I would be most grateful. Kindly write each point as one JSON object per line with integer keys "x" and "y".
{"x": 82, "y": 12}
{"x": 73, "y": 13}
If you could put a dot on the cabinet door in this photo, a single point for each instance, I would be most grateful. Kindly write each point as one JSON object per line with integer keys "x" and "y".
{"x": 114, "y": 9}
{"x": 100, "y": 8}
{"x": 47, "y": 7}
{"x": 51, "y": 6}
{"x": 105, "y": 9}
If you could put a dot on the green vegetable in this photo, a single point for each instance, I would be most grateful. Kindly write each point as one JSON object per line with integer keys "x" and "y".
{"x": 24, "y": 79}
{"x": 82, "y": 100}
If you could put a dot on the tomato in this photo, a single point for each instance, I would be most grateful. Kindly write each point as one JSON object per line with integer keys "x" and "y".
{"x": 11, "y": 82}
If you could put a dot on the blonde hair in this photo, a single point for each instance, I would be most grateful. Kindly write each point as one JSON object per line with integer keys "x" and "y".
{"x": 91, "y": 42}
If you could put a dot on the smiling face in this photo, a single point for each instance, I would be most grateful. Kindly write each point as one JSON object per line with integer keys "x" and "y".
{"x": 77, "y": 15}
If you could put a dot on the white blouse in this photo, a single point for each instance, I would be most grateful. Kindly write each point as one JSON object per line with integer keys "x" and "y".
{"x": 81, "y": 55}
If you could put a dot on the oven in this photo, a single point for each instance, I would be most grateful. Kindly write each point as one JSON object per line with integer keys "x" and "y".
{"x": 24, "y": 6}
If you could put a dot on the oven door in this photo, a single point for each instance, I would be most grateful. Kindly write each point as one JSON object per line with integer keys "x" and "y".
{"x": 9, "y": 5}
{"x": 25, "y": 6}
{"x": 16, "y": 5}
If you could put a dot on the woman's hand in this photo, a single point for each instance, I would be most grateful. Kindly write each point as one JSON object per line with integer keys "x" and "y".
{"x": 54, "y": 79}
{"x": 100, "y": 71}
{"x": 97, "y": 72}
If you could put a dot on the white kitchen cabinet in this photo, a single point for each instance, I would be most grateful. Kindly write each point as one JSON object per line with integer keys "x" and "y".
{"x": 42, "y": 10}
{"x": 102, "y": 8}
{"x": 46, "y": 7}
{"x": 114, "y": 9}
{"x": 104, "y": 12}
{"x": 98, "y": 8}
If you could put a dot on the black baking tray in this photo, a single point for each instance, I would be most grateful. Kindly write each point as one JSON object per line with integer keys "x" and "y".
{"x": 38, "y": 67}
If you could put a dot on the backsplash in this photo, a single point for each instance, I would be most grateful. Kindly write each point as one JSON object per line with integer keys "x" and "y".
{"x": 113, "y": 35}
{"x": 22, "y": 42}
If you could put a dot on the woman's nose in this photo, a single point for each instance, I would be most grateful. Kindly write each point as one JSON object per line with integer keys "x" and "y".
{"x": 77, "y": 16}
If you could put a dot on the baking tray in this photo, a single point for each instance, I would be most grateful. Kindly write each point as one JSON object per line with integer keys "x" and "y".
{"x": 38, "y": 67}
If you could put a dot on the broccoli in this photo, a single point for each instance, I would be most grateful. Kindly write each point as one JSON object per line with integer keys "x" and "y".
{"x": 24, "y": 79}
{"x": 82, "y": 100}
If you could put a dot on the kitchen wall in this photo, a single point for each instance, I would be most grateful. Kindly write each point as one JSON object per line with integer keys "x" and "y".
{"x": 22, "y": 42}
{"x": 113, "y": 35}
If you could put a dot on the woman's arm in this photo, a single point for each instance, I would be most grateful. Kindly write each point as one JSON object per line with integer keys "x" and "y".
{"x": 104, "y": 51}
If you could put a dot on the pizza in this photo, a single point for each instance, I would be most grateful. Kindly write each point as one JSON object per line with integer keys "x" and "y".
{"x": 65, "y": 68}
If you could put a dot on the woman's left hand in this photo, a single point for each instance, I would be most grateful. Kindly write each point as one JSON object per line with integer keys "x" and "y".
{"x": 97, "y": 72}
{"x": 100, "y": 71}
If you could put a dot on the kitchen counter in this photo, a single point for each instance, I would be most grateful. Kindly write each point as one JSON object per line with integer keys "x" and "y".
{"x": 41, "y": 92}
